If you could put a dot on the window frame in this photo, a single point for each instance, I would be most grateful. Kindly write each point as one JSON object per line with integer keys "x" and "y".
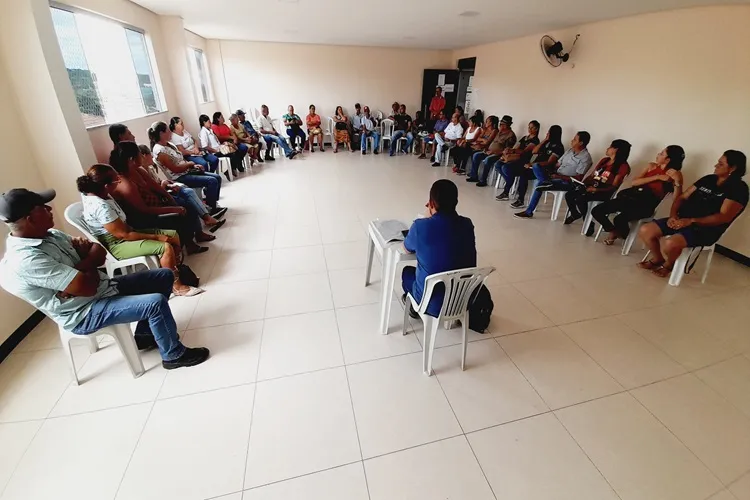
{"x": 149, "y": 52}
{"x": 196, "y": 85}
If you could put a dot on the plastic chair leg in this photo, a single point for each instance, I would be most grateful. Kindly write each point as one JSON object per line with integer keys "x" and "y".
{"x": 678, "y": 269}
{"x": 407, "y": 303}
{"x": 426, "y": 339}
{"x": 708, "y": 264}
{"x": 71, "y": 360}
{"x": 93, "y": 343}
{"x": 124, "y": 338}
{"x": 464, "y": 342}
{"x": 599, "y": 233}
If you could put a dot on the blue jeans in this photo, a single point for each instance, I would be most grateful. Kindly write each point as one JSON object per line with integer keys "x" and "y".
{"x": 541, "y": 176}
{"x": 209, "y": 181}
{"x": 295, "y": 132}
{"x": 396, "y": 136}
{"x": 209, "y": 162}
{"x": 143, "y": 298}
{"x": 280, "y": 141}
{"x": 375, "y": 140}
{"x": 189, "y": 199}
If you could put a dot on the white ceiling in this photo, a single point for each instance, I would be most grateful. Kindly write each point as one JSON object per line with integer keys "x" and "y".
{"x": 399, "y": 23}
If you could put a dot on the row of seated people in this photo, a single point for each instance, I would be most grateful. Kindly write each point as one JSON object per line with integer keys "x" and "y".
{"x": 699, "y": 215}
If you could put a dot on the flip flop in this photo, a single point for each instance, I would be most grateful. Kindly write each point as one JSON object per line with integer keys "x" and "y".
{"x": 609, "y": 241}
{"x": 205, "y": 239}
{"x": 662, "y": 271}
{"x": 649, "y": 264}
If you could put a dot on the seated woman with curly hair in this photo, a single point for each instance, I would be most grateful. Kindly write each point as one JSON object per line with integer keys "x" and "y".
{"x": 108, "y": 223}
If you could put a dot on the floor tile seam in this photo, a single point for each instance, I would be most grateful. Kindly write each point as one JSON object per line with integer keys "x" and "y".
{"x": 672, "y": 433}
{"x": 20, "y": 460}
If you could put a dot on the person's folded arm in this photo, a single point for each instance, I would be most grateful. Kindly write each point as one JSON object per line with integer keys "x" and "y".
{"x": 729, "y": 210}
{"x": 44, "y": 272}
{"x": 183, "y": 151}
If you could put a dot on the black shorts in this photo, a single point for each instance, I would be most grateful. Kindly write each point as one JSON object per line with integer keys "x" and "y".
{"x": 695, "y": 236}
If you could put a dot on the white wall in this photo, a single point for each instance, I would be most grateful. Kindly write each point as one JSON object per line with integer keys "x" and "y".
{"x": 678, "y": 77}
{"x": 279, "y": 74}
{"x": 206, "y": 108}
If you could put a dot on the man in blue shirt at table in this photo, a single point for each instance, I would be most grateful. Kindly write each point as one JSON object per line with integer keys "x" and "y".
{"x": 444, "y": 241}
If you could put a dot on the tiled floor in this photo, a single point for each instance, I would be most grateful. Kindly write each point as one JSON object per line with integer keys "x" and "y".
{"x": 595, "y": 381}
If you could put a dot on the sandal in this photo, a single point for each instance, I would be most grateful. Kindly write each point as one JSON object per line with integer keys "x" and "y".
{"x": 662, "y": 271}
{"x": 609, "y": 241}
{"x": 191, "y": 291}
{"x": 649, "y": 264}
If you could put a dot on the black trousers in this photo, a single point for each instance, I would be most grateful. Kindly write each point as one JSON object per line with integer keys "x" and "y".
{"x": 185, "y": 225}
{"x": 461, "y": 155}
{"x": 579, "y": 199}
{"x": 630, "y": 209}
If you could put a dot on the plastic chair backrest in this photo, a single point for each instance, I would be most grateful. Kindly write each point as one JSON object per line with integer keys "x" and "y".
{"x": 459, "y": 285}
{"x": 74, "y": 216}
{"x": 387, "y": 126}
{"x": 331, "y": 126}
{"x": 380, "y": 115}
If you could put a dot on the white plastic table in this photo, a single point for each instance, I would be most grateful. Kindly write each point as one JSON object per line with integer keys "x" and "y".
{"x": 391, "y": 254}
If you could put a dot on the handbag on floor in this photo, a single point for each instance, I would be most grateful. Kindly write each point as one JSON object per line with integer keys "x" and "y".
{"x": 187, "y": 276}
{"x": 480, "y": 310}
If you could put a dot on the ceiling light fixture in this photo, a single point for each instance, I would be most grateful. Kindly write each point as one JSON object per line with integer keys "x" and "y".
{"x": 469, "y": 13}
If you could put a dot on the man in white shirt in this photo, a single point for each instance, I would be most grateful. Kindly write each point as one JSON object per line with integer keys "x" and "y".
{"x": 369, "y": 129}
{"x": 453, "y": 132}
{"x": 271, "y": 135}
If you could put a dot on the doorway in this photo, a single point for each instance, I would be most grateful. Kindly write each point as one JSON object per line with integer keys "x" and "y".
{"x": 466, "y": 68}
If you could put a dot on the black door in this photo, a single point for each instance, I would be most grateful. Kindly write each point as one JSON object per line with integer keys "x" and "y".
{"x": 448, "y": 79}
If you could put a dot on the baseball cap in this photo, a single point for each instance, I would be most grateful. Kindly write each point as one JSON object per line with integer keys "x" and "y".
{"x": 239, "y": 112}
{"x": 18, "y": 203}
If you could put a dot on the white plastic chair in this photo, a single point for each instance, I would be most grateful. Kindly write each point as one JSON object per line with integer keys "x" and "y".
{"x": 225, "y": 167}
{"x": 635, "y": 226}
{"x": 328, "y": 131}
{"x": 513, "y": 188}
{"x": 459, "y": 285}
{"x": 588, "y": 219}
{"x": 74, "y": 216}
{"x": 386, "y": 132}
{"x": 678, "y": 269}
{"x": 123, "y": 338}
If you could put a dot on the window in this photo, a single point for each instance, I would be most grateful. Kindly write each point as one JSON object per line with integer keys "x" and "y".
{"x": 201, "y": 80}
{"x": 108, "y": 65}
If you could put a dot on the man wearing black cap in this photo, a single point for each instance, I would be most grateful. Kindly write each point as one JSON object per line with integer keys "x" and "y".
{"x": 59, "y": 275}
{"x": 252, "y": 133}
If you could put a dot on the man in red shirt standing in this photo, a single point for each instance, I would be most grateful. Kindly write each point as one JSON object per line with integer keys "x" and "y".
{"x": 437, "y": 104}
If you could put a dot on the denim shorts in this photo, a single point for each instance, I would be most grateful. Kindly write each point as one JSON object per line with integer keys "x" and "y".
{"x": 695, "y": 236}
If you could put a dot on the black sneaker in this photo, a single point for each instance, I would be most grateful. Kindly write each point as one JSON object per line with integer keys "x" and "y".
{"x": 218, "y": 212}
{"x": 481, "y": 184}
{"x": 435, "y": 163}
{"x": 260, "y": 159}
{"x": 432, "y": 159}
{"x": 364, "y": 153}
{"x": 375, "y": 152}
{"x": 523, "y": 215}
{"x": 570, "y": 219}
{"x": 590, "y": 230}
{"x": 268, "y": 157}
{"x": 472, "y": 179}
{"x": 502, "y": 197}
{"x": 292, "y": 154}
{"x": 544, "y": 185}
{"x": 518, "y": 204}
{"x": 191, "y": 357}
{"x": 145, "y": 342}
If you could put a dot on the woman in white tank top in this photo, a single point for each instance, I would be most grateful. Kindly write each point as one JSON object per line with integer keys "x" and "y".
{"x": 465, "y": 147}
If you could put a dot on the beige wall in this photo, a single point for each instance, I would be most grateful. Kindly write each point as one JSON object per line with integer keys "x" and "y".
{"x": 279, "y": 74}
{"x": 18, "y": 169}
{"x": 676, "y": 77}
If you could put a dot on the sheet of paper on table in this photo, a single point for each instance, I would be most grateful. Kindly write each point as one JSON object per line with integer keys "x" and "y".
{"x": 391, "y": 229}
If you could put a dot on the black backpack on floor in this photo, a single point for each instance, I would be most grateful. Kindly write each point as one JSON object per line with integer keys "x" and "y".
{"x": 480, "y": 310}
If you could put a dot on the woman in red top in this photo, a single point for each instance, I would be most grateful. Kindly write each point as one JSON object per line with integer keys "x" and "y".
{"x": 646, "y": 192}
{"x": 600, "y": 185}
{"x": 229, "y": 140}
